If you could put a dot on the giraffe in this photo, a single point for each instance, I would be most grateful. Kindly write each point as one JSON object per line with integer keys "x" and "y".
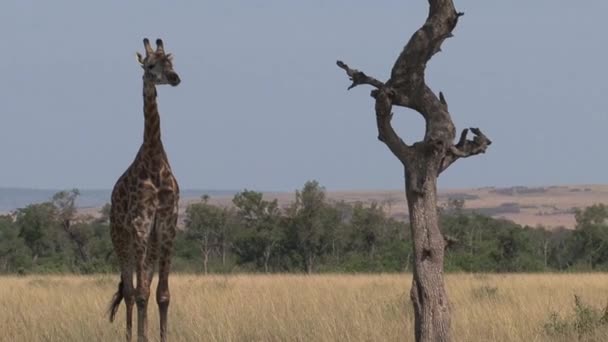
{"x": 143, "y": 215}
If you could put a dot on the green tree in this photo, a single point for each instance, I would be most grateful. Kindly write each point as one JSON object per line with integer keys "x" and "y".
{"x": 205, "y": 224}
{"x": 15, "y": 256}
{"x": 65, "y": 204}
{"x": 368, "y": 225}
{"x": 262, "y": 229}
{"x": 309, "y": 222}
{"x": 39, "y": 227}
{"x": 589, "y": 242}
{"x": 34, "y": 222}
{"x": 336, "y": 220}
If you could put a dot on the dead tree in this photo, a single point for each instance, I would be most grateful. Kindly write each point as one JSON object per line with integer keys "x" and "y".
{"x": 423, "y": 161}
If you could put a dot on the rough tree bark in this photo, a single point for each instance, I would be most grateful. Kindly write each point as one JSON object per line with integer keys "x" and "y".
{"x": 423, "y": 161}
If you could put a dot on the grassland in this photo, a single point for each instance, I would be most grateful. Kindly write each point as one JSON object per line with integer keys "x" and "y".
{"x": 297, "y": 308}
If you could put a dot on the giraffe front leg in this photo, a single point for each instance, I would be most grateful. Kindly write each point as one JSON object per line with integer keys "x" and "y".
{"x": 166, "y": 234}
{"x": 142, "y": 227}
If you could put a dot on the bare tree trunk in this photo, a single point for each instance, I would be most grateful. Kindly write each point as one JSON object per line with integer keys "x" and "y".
{"x": 267, "y": 254}
{"x": 546, "y": 251}
{"x": 223, "y": 254}
{"x": 77, "y": 239}
{"x": 309, "y": 264}
{"x": 423, "y": 161}
{"x": 471, "y": 241}
{"x": 431, "y": 306}
{"x": 205, "y": 250}
{"x": 334, "y": 251}
{"x": 406, "y": 267}
{"x": 206, "y": 262}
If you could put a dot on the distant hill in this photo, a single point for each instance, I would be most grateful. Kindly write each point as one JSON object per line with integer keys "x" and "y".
{"x": 14, "y": 198}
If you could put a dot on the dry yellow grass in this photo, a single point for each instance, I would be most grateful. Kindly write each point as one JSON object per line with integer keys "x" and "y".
{"x": 293, "y": 307}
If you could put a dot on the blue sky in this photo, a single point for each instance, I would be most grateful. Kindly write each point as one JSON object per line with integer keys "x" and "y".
{"x": 263, "y": 106}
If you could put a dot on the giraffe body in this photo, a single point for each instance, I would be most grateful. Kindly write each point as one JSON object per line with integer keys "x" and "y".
{"x": 143, "y": 216}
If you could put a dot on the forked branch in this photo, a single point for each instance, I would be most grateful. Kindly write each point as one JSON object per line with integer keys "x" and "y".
{"x": 385, "y": 98}
{"x": 359, "y": 77}
{"x": 407, "y": 88}
{"x": 466, "y": 148}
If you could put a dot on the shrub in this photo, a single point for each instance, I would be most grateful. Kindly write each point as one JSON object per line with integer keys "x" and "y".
{"x": 586, "y": 320}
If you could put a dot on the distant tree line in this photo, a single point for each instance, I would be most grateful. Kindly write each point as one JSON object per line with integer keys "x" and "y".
{"x": 313, "y": 234}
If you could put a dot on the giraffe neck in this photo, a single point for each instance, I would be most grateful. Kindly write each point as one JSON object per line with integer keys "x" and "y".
{"x": 151, "y": 117}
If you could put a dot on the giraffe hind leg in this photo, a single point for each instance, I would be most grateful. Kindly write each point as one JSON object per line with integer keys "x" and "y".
{"x": 143, "y": 226}
{"x": 129, "y": 295}
{"x": 152, "y": 252}
{"x": 125, "y": 291}
{"x": 122, "y": 241}
{"x": 166, "y": 231}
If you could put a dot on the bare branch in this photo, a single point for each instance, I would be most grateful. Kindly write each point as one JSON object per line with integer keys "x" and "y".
{"x": 442, "y": 99}
{"x": 385, "y": 98}
{"x": 466, "y": 148}
{"x": 386, "y": 133}
{"x": 463, "y": 138}
{"x": 407, "y": 88}
{"x": 359, "y": 77}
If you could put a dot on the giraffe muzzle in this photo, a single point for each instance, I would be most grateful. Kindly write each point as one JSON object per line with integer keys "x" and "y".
{"x": 173, "y": 79}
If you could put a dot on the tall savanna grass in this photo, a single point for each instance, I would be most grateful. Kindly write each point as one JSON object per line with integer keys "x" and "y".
{"x": 316, "y": 308}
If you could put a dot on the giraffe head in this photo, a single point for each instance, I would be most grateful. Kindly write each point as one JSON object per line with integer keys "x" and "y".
{"x": 158, "y": 66}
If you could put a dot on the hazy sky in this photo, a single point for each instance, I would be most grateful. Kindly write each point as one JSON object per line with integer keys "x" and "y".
{"x": 263, "y": 106}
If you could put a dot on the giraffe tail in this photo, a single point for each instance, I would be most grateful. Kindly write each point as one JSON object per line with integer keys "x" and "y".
{"x": 118, "y": 296}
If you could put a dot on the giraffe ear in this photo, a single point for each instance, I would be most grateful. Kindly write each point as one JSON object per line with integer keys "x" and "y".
{"x": 140, "y": 59}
